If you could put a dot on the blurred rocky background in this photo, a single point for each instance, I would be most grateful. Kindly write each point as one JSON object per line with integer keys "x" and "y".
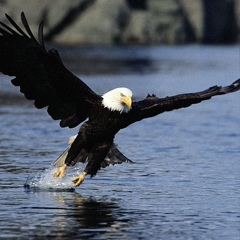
{"x": 130, "y": 22}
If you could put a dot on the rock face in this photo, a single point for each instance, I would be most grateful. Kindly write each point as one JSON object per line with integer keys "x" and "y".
{"x": 220, "y": 25}
{"x": 130, "y": 22}
{"x": 99, "y": 24}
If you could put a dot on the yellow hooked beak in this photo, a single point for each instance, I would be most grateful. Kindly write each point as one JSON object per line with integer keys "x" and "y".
{"x": 127, "y": 101}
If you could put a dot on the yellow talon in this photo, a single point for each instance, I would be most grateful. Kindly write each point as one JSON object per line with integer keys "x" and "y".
{"x": 78, "y": 180}
{"x": 60, "y": 172}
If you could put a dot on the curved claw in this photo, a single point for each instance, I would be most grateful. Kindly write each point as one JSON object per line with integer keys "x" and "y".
{"x": 78, "y": 180}
{"x": 60, "y": 172}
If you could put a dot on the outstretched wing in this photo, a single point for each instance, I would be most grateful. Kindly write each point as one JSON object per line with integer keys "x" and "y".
{"x": 42, "y": 76}
{"x": 152, "y": 106}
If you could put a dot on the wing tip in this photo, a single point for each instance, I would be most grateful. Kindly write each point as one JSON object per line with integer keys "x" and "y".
{"x": 236, "y": 83}
{"x": 235, "y": 86}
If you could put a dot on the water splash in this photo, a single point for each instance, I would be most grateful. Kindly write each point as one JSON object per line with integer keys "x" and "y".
{"x": 46, "y": 181}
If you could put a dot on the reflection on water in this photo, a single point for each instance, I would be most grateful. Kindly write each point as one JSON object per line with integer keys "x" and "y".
{"x": 184, "y": 183}
{"x": 74, "y": 216}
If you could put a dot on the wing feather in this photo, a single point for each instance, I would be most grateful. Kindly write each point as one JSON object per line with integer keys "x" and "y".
{"x": 152, "y": 105}
{"x": 26, "y": 26}
{"x": 8, "y": 28}
{"x": 41, "y": 75}
{"x": 40, "y": 34}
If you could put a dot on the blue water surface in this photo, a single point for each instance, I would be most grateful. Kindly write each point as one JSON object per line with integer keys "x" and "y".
{"x": 184, "y": 182}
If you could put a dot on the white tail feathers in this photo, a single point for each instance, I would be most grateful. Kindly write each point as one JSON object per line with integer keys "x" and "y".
{"x": 61, "y": 159}
{"x": 71, "y": 139}
{"x": 113, "y": 157}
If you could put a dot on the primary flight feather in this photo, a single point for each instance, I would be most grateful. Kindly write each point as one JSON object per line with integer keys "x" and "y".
{"x": 42, "y": 77}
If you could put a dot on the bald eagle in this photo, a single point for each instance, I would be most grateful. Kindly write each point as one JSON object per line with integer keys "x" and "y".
{"x": 42, "y": 77}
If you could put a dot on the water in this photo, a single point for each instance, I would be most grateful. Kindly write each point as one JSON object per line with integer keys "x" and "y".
{"x": 184, "y": 182}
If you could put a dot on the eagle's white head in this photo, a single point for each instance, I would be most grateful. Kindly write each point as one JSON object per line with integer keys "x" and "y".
{"x": 118, "y": 99}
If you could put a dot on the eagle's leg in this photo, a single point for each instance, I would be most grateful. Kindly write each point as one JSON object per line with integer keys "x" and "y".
{"x": 78, "y": 180}
{"x": 60, "y": 172}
